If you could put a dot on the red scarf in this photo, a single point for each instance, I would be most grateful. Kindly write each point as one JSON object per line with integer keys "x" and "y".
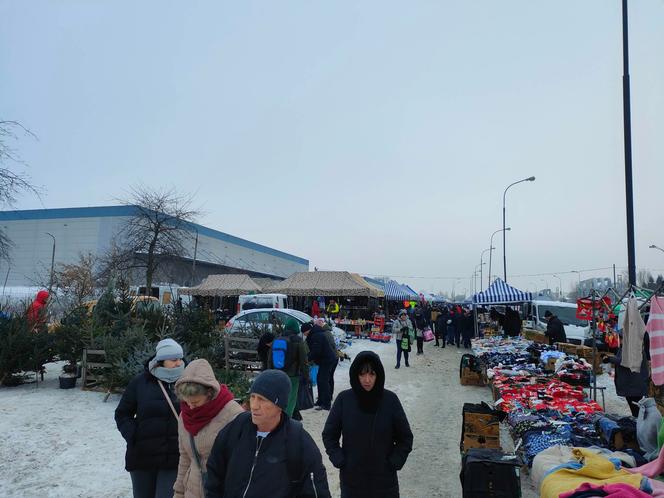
{"x": 194, "y": 419}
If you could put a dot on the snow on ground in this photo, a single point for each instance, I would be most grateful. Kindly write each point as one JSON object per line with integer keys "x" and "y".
{"x": 63, "y": 443}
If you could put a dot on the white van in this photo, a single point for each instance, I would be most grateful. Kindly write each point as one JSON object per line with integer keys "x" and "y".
{"x": 577, "y": 331}
{"x": 253, "y": 301}
{"x": 167, "y": 294}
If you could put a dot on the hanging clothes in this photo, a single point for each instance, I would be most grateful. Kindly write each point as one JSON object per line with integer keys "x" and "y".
{"x": 633, "y": 332}
{"x": 655, "y": 329}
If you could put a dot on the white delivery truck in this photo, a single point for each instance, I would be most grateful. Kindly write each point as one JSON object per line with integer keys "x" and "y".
{"x": 577, "y": 331}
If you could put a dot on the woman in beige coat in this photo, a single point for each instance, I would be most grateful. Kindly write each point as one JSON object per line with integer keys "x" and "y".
{"x": 205, "y": 408}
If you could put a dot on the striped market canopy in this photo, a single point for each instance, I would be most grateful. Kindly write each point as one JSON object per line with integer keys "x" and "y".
{"x": 501, "y": 293}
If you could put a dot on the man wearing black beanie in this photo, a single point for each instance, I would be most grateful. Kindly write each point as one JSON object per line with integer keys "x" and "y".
{"x": 264, "y": 452}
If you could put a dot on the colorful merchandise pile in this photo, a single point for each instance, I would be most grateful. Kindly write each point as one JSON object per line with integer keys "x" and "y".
{"x": 526, "y": 392}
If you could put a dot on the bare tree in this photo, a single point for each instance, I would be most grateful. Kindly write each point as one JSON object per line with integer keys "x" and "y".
{"x": 158, "y": 233}
{"x": 77, "y": 281}
{"x": 12, "y": 183}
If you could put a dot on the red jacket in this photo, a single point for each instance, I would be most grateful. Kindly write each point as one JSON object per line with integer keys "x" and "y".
{"x": 36, "y": 311}
{"x": 315, "y": 309}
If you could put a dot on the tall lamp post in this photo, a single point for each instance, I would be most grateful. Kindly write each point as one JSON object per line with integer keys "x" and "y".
{"x": 50, "y": 281}
{"x": 529, "y": 179}
{"x": 482, "y": 264}
{"x": 491, "y": 248}
{"x": 560, "y": 286}
{"x": 653, "y": 246}
{"x": 578, "y": 287}
{"x": 627, "y": 135}
{"x": 193, "y": 265}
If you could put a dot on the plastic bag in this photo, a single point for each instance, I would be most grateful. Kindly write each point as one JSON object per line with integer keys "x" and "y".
{"x": 647, "y": 427}
{"x": 313, "y": 374}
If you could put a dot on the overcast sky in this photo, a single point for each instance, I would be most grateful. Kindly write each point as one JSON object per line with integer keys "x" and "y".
{"x": 372, "y": 136}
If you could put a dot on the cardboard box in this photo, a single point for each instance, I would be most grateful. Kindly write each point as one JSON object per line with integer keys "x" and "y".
{"x": 550, "y": 364}
{"x": 471, "y": 377}
{"x": 479, "y": 441}
{"x": 535, "y": 336}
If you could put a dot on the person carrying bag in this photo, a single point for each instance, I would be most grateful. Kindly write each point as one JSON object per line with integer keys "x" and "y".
{"x": 404, "y": 336}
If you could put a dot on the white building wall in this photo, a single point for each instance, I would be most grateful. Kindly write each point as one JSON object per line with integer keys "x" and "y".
{"x": 31, "y": 255}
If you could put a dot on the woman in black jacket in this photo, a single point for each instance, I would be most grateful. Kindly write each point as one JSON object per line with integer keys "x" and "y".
{"x": 376, "y": 435}
{"x": 147, "y": 422}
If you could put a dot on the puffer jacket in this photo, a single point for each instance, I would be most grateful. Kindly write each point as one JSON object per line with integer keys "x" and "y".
{"x": 189, "y": 482}
{"x": 148, "y": 425}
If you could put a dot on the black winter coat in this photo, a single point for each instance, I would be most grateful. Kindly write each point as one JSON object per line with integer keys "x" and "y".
{"x": 628, "y": 383}
{"x": 375, "y": 445}
{"x": 147, "y": 423}
{"x": 239, "y": 468}
{"x": 320, "y": 350}
{"x": 555, "y": 331}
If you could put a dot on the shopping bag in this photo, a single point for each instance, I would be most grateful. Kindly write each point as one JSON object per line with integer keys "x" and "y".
{"x": 305, "y": 395}
{"x": 428, "y": 335}
{"x": 313, "y": 374}
{"x": 405, "y": 344}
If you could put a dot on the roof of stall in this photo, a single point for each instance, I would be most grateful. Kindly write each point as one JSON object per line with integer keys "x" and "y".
{"x": 326, "y": 283}
{"x": 500, "y": 292}
{"x": 224, "y": 285}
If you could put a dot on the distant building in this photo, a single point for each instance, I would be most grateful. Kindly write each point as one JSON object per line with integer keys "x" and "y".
{"x": 600, "y": 284}
{"x": 91, "y": 230}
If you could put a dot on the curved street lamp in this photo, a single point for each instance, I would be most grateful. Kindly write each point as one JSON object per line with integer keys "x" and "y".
{"x": 653, "y": 246}
{"x": 491, "y": 248}
{"x": 529, "y": 179}
{"x": 560, "y": 286}
{"x": 50, "y": 282}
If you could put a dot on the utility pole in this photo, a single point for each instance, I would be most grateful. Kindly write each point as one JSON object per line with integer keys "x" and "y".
{"x": 627, "y": 130}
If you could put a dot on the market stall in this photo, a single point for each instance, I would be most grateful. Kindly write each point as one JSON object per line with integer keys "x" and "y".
{"x": 354, "y": 295}
{"x": 500, "y": 293}
{"x": 220, "y": 292}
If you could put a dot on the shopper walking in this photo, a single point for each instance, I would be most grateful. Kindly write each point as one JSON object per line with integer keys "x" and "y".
{"x": 147, "y": 423}
{"x": 206, "y": 407}
{"x": 375, "y": 433}
{"x": 420, "y": 324}
{"x": 404, "y": 335}
{"x": 288, "y": 353}
{"x": 467, "y": 327}
{"x": 441, "y": 327}
{"x": 264, "y": 453}
{"x": 322, "y": 354}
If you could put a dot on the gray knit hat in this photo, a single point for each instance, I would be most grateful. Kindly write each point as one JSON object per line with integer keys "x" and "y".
{"x": 273, "y": 385}
{"x": 168, "y": 349}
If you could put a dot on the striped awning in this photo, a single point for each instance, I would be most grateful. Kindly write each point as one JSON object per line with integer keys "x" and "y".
{"x": 501, "y": 293}
{"x": 394, "y": 291}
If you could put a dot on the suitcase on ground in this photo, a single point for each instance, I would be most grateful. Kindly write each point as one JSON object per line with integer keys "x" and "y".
{"x": 488, "y": 473}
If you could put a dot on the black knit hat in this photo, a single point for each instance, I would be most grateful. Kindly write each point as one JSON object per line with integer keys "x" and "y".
{"x": 273, "y": 385}
{"x": 306, "y": 327}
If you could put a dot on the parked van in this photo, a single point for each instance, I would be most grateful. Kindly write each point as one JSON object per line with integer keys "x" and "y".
{"x": 576, "y": 330}
{"x": 166, "y": 294}
{"x": 252, "y": 301}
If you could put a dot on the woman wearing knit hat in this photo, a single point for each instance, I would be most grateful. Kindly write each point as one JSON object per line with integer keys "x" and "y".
{"x": 205, "y": 408}
{"x": 148, "y": 422}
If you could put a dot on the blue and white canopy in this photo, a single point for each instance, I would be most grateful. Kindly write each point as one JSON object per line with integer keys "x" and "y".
{"x": 501, "y": 293}
{"x": 394, "y": 291}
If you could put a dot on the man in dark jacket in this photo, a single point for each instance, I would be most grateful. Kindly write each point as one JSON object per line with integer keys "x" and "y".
{"x": 373, "y": 428}
{"x": 264, "y": 452}
{"x": 441, "y": 327}
{"x": 321, "y": 353}
{"x": 296, "y": 360}
{"x": 555, "y": 330}
{"x": 467, "y": 327}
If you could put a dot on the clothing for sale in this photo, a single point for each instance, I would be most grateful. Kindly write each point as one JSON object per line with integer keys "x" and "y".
{"x": 594, "y": 469}
{"x": 617, "y": 490}
{"x": 631, "y": 384}
{"x": 655, "y": 329}
{"x": 633, "y": 332}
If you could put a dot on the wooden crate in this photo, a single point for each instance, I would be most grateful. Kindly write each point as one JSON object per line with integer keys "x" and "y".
{"x": 584, "y": 351}
{"x": 535, "y": 336}
{"x": 566, "y": 347}
{"x": 481, "y": 424}
{"x": 479, "y": 441}
{"x": 472, "y": 378}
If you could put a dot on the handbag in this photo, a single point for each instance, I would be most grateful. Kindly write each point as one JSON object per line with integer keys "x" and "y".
{"x": 405, "y": 344}
{"x": 305, "y": 395}
{"x": 428, "y": 335}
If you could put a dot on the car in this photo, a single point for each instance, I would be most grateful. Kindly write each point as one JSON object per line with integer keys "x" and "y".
{"x": 262, "y": 320}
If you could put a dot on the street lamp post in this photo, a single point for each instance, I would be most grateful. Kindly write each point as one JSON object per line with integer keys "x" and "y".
{"x": 560, "y": 286}
{"x": 529, "y": 179}
{"x": 653, "y": 246}
{"x": 50, "y": 281}
{"x": 578, "y": 287}
{"x": 193, "y": 265}
{"x": 482, "y": 264}
{"x": 491, "y": 248}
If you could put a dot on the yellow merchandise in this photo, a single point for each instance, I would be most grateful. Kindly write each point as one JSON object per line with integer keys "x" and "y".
{"x": 596, "y": 470}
